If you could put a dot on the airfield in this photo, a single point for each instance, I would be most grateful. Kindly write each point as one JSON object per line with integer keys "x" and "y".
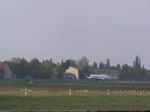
{"x": 92, "y": 96}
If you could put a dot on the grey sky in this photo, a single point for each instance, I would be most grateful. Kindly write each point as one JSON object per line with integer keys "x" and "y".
{"x": 69, "y": 29}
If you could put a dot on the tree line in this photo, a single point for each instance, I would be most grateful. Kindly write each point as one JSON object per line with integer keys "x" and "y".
{"x": 21, "y": 68}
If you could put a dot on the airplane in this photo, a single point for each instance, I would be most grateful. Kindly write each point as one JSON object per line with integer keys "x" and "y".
{"x": 101, "y": 77}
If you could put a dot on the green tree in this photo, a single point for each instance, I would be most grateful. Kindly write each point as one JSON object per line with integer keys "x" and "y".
{"x": 35, "y": 67}
{"x": 101, "y": 66}
{"x": 142, "y": 73}
{"x": 19, "y": 67}
{"x": 126, "y": 72}
{"x": 46, "y": 70}
{"x": 107, "y": 63}
{"x": 83, "y": 67}
{"x": 118, "y": 67}
{"x": 60, "y": 72}
{"x": 95, "y": 65}
{"x": 2, "y": 72}
{"x": 137, "y": 62}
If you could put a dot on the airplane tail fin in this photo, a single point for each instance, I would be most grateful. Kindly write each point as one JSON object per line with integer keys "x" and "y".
{"x": 87, "y": 77}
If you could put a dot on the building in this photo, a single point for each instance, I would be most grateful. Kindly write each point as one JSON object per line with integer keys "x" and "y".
{"x": 5, "y": 73}
{"x": 69, "y": 76}
{"x": 71, "y": 73}
{"x": 114, "y": 73}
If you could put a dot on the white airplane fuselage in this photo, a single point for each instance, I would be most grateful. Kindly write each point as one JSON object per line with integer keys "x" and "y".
{"x": 101, "y": 77}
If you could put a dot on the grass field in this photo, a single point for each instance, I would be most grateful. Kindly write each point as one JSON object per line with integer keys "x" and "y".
{"x": 96, "y": 96}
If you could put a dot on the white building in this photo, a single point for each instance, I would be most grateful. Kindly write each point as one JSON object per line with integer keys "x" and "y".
{"x": 71, "y": 73}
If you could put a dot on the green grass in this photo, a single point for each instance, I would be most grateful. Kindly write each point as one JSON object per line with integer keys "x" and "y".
{"x": 91, "y": 86}
{"x": 11, "y": 98}
{"x": 75, "y": 103}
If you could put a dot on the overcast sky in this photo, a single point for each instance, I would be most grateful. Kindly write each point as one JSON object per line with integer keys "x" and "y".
{"x": 69, "y": 29}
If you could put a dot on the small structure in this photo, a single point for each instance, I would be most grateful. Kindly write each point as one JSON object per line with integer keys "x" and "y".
{"x": 69, "y": 91}
{"x": 25, "y": 91}
{"x": 71, "y": 73}
{"x": 114, "y": 73}
{"x": 7, "y": 73}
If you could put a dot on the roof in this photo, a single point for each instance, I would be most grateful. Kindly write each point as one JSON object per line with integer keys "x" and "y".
{"x": 3, "y": 66}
